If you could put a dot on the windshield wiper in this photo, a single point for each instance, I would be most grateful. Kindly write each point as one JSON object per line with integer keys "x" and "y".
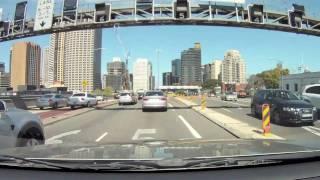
{"x": 228, "y": 162}
{"x": 13, "y": 161}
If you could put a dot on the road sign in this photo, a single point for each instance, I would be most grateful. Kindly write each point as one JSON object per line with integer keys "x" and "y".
{"x": 44, "y": 15}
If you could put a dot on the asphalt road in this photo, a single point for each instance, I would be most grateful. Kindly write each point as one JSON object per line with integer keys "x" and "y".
{"x": 240, "y": 110}
{"x": 125, "y": 124}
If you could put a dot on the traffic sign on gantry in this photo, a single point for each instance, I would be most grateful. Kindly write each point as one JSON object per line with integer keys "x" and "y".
{"x": 44, "y": 15}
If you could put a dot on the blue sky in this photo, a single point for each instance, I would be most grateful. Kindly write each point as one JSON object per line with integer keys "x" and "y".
{"x": 261, "y": 49}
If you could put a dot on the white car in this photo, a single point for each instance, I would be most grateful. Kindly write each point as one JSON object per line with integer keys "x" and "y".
{"x": 229, "y": 96}
{"x": 311, "y": 93}
{"x": 100, "y": 98}
{"x": 82, "y": 99}
{"x": 127, "y": 98}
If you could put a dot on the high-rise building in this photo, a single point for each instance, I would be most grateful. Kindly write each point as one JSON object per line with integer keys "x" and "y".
{"x": 233, "y": 68}
{"x": 77, "y": 59}
{"x": 176, "y": 71}
{"x": 57, "y": 55}
{"x": 47, "y": 69}
{"x": 191, "y": 66}
{"x": 116, "y": 67}
{"x": 153, "y": 83}
{"x": 25, "y": 65}
{"x": 167, "y": 79}
{"x": 216, "y": 69}
{"x": 114, "y": 81}
{"x": 206, "y": 72}
{"x": 2, "y": 67}
{"x": 103, "y": 81}
{"x": 4, "y": 80}
{"x": 116, "y": 72}
{"x": 142, "y": 75}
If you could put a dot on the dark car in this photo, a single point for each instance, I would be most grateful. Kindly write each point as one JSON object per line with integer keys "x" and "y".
{"x": 140, "y": 96}
{"x": 285, "y": 107}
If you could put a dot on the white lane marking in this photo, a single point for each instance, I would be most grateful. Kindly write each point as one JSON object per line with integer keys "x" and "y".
{"x": 55, "y": 139}
{"x": 139, "y": 132}
{"x": 170, "y": 105}
{"x": 191, "y": 129}
{"x": 101, "y": 137}
{"x": 173, "y": 110}
{"x": 312, "y": 127}
{"x": 227, "y": 110}
{"x": 312, "y": 130}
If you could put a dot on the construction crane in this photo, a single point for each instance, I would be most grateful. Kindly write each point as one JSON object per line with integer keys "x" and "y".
{"x": 125, "y": 83}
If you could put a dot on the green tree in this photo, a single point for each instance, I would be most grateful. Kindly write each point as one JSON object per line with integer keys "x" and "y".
{"x": 271, "y": 78}
{"x": 97, "y": 92}
{"x": 210, "y": 84}
{"x": 108, "y": 91}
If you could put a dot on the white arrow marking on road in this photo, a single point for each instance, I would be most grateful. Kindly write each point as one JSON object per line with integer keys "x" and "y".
{"x": 55, "y": 139}
{"x": 139, "y": 132}
{"x": 191, "y": 129}
{"x": 102, "y": 136}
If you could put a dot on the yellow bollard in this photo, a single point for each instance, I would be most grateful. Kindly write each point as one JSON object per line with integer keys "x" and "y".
{"x": 203, "y": 102}
{"x": 266, "y": 120}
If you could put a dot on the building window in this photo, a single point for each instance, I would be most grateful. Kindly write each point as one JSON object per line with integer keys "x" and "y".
{"x": 296, "y": 87}
{"x": 287, "y": 86}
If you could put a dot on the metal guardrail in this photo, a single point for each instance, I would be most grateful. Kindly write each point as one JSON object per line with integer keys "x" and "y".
{"x": 204, "y": 13}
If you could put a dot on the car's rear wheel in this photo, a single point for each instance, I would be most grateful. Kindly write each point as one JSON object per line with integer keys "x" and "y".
{"x": 253, "y": 111}
{"x": 72, "y": 107}
{"x": 41, "y": 108}
{"x": 88, "y": 104}
{"x": 31, "y": 138}
{"x": 165, "y": 109}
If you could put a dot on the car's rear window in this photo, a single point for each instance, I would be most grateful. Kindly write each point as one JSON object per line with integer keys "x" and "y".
{"x": 154, "y": 94}
{"x": 125, "y": 94}
{"x": 79, "y": 95}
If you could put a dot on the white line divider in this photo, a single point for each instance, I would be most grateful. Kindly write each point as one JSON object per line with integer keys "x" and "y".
{"x": 101, "y": 137}
{"x": 191, "y": 129}
{"x": 313, "y": 130}
{"x": 170, "y": 105}
{"x": 227, "y": 110}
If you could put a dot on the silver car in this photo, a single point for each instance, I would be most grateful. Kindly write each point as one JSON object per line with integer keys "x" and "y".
{"x": 154, "y": 100}
{"x": 19, "y": 128}
{"x": 82, "y": 100}
{"x": 51, "y": 100}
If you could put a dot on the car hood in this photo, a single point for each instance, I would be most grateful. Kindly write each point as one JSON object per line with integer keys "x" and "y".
{"x": 157, "y": 149}
{"x": 295, "y": 103}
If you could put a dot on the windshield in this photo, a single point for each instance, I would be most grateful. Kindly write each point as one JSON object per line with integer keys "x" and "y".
{"x": 287, "y": 95}
{"x": 158, "y": 79}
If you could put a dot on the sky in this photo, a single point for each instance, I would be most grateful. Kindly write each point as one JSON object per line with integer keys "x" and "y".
{"x": 261, "y": 49}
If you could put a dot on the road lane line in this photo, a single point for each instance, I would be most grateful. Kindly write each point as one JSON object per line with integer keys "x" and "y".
{"x": 102, "y": 136}
{"x": 227, "y": 110}
{"x": 311, "y": 130}
{"x": 191, "y": 129}
{"x": 170, "y": 105}
{"x": 314, "y": 128}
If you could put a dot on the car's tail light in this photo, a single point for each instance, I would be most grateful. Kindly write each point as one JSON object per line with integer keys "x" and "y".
{"x": 145, "y": 99}
{"x": 164, "y": 99}
{"x": 50, "y": 100}
{"x": 82, "y": 99}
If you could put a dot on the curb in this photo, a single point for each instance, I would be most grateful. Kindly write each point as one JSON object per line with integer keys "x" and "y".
{"x": 66, "y": 117}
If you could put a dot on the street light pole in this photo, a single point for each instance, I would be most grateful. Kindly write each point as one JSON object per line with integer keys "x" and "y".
{"x": 158, "y": 54}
